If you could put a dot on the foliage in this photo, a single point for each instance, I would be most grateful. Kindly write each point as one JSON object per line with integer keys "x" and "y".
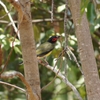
{"x": 43, "y": 29}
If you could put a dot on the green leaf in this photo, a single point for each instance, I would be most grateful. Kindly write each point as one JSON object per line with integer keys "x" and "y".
{"x": 91, "y": 15}
{"x": 1, "y": 30}
{"x": 36, "y": 33}
{"x": 84, "y": 4}
{"x": 17, "y": 50}
{"x": 61, "y": 8}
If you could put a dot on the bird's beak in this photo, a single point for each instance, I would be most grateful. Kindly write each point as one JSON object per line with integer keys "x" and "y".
{"x": 58, "y": 37}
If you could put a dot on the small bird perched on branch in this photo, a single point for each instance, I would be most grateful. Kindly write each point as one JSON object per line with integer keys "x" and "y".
{"x": 44, "y": 49}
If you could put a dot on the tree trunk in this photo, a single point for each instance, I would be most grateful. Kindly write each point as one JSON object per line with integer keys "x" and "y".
{"x": 28, "y": 48}
{"x": 88, "y": 62}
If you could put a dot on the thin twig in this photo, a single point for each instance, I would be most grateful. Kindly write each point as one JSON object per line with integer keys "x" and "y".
{"x": 12, "y": 74}
{"x": 8, "y": 58}
{"x": 75, "y": 59}
{"x": 52, "y": 8}
{"x": 66, "y": 31}
{"x": 66, "y": 37}
{"x": 6, "y": 13}
{"x": 12, "y": 22}
{"x": 33, "y": 21}
{"x": 53, "y": 78}
{"x": 17, "y": 87}
{"x": 9, "y": 55}
{"x": 44, "y": 87}
{"x": 17, "y": 32}
{"x": 64, "y": 79}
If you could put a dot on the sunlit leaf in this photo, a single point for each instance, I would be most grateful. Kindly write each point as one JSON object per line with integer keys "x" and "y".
{"x": 17, "y": 50}
{"x": 84, "y": 4}
{"x": 1, "y": 30}
{"x": 61, "y": 8}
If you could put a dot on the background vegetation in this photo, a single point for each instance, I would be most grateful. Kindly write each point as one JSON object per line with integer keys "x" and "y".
{"x": 43, "y": 29}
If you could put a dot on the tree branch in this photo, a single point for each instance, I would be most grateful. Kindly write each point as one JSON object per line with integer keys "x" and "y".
{"x": 12, "y": 74}
{"x": 17, "y": 87}
{"x": 60, "y": 75}
{"x": 10, "y": 18}
{"x": 33, "y": 21}
{"x": 27, "y": 37}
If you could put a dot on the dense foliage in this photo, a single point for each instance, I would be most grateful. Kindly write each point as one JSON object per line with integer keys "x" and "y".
{"x": 43, "y": 29}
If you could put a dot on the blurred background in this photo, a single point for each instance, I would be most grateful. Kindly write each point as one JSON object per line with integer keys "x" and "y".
{"x": 44, "y": 27}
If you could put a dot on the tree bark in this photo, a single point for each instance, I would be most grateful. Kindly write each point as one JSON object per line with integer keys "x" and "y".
{"x": 29, "y": 51}
{"x": 28, "y": 46}
{"x": 85, "y": 46}
{"x": 0, "y": 56}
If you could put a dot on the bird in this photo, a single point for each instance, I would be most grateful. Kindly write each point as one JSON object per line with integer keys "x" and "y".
{"x": 46, "y": 48}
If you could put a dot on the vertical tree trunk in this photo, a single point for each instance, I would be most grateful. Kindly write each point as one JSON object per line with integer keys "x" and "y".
{"x": 88, "y": 62}
{"x": 0, "y": 56}
{"x": 28, "y": 51}
{"x": 28, "y": 45}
